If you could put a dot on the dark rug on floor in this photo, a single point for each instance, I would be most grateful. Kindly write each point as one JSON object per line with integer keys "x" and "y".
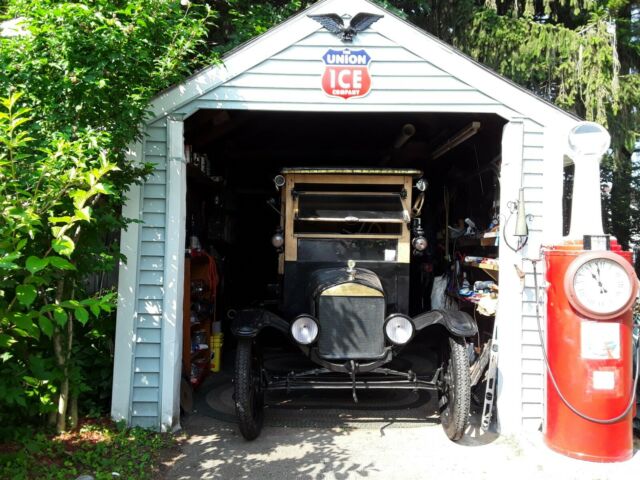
{"x": 326, "y": 407}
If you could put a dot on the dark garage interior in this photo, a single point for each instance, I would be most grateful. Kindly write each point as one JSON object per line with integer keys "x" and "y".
{"x": 233, "y": 203}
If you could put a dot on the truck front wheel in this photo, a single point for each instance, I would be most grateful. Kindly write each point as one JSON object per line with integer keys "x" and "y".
{"x": 454, "y": 392}
{"x": 248, "y": 391}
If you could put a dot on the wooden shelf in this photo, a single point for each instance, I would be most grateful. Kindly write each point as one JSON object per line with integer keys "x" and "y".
{"x": 476, "y": 241}
{"x": 483, "y": 266}
{"x": 489, "y": 268}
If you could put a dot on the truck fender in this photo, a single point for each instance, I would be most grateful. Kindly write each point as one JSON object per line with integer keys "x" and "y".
{"x": 458, "y": 323}
{"x": 249, "y": 323}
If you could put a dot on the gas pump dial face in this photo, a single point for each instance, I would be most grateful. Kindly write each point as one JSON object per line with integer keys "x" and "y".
{"x": 600, "y": 285}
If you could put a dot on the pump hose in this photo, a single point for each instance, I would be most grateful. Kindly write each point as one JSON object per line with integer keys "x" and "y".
{"x": 600, "y": 421}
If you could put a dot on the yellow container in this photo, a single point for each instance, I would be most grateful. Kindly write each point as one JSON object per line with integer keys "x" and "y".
{"x": 216, "y": 341}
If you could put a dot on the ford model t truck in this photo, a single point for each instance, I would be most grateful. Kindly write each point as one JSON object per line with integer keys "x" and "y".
{"x": 347, "y": 238}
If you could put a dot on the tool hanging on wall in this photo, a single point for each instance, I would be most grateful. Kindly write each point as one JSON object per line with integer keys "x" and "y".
{"x": 492, "y": 374}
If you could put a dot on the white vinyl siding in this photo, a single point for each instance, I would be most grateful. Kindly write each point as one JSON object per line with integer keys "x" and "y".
{"x": 145, "y": 405}
{"x": 533, "y": 179}
{"x": 291, "y": 79}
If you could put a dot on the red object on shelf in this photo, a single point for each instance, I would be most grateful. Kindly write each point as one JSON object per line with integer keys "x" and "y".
{"x": 579, "y": 377}
{"x": 213, "y": 271}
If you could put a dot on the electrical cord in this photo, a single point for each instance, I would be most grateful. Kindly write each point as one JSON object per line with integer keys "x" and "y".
{"x": 553, "y": 380}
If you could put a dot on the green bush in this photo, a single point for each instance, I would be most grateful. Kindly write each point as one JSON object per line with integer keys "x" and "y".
{"x": 76, "y": 88}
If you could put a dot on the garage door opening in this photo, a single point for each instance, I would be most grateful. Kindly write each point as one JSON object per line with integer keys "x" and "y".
{"x": 233, "y": 208}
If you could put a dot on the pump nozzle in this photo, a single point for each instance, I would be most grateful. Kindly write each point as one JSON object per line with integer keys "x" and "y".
{"x": 522, "y": 230}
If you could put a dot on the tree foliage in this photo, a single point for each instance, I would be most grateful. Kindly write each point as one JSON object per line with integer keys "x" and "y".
{"x": 582, "y": 55}
{"x": 85, "y": 72}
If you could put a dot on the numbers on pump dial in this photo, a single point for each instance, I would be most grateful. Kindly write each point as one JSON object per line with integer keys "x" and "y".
{"x": 602, "y": 285}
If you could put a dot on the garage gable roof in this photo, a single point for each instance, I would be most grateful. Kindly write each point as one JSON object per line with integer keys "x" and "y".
{"x": 414, "y": 40}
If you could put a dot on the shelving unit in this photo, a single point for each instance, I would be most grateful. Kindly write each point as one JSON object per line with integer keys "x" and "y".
{"x": 477, "y": 241}
{"x": 489, "y": 268}
{"x": 198, "y": 315}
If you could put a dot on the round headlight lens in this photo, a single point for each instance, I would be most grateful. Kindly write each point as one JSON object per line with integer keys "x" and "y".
{"x": 277, "y": 240}
{"x": 419, "y": 243}
{"x": 398, "y": 329}
{"x": 304, "y": 330}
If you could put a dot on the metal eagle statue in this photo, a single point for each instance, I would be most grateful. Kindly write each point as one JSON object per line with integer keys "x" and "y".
{"x": 334, "y": 23}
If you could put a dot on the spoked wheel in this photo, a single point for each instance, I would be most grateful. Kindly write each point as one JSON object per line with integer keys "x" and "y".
{"x": 454, "y": 392}
{"x": 248, "y": 391}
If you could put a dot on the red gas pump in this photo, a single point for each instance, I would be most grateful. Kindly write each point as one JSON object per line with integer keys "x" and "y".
{"x": 591, "y": 289}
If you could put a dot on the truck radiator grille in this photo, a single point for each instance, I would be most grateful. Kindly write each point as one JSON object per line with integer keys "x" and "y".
{"x": 351, "y": 327}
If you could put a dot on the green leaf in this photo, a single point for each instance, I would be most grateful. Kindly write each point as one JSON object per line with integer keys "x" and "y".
{"x": 79, "y": 198}
{"x": 103, "y": 188}
{"x": 95, "y": 309}
{"x": 83, "y": 214}
{"x": 6, "y": 341}
{"x": 63, "y": 246}
{"x": 7, "y": 262}
{"x": 45, "y": 325}
{"x": 6, "y": 265}
{"x": 60, "y": 316}
{"x": 82, "y": 315}
{"x": 26, "y": 325}
{"x": 26, "y": 294}
{"x": 61, "y": 263}
{"x": 60, "y": 219}
{"x": 35, "y": 264}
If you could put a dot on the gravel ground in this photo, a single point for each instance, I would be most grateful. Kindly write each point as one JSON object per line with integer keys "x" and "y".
{"x": 213, "y": 449}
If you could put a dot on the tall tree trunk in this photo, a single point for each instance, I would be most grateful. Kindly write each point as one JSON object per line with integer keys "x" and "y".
{"x": 73, "y": 419}
{"x": 63, "y": 399}
{"x": 62, "y": 345}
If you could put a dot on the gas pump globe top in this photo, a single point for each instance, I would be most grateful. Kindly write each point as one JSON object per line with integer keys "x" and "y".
{"x": 589, "y": 139}
{"x": 588, "y": 142}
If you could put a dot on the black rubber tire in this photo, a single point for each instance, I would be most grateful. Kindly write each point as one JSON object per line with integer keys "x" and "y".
{"x": 455, "y": 392}
{"x": 248, "y": 392}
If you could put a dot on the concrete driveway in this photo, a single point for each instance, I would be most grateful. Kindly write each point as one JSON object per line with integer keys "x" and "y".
{"x": 367, "y": 448}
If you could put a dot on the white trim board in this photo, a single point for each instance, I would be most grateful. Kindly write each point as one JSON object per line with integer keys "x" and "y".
{"x": 508, "y": 395}
{"x": 171, "y": 347}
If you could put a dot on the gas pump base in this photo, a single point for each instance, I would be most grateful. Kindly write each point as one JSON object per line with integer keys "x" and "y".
{"x": 591, "y": 361}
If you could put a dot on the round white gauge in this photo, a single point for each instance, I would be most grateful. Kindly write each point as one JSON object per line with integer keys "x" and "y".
{"x": 601, "y": 284}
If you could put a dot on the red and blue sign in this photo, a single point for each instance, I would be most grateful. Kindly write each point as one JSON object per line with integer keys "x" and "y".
{"x": 346, "y": 73}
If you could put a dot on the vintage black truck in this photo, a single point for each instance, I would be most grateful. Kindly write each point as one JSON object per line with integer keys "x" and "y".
{"x": 347, "y": 238}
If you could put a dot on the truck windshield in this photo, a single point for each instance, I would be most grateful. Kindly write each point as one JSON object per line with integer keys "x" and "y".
{"x": 350, "y": 207}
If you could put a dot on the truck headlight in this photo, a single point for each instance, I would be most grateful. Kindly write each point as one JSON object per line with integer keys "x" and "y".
{"x": 398, "y": 329}
{"x": 419, "y": 243}
{"x": 304, "y": 330}
{"x": 277, "y": 240}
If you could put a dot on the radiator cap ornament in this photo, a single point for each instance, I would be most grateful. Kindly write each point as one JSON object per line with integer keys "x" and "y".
{"x": 351, "y": 268}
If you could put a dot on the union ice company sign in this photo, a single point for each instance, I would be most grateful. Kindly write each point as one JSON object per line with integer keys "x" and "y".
{"x": 346, "y": 73}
